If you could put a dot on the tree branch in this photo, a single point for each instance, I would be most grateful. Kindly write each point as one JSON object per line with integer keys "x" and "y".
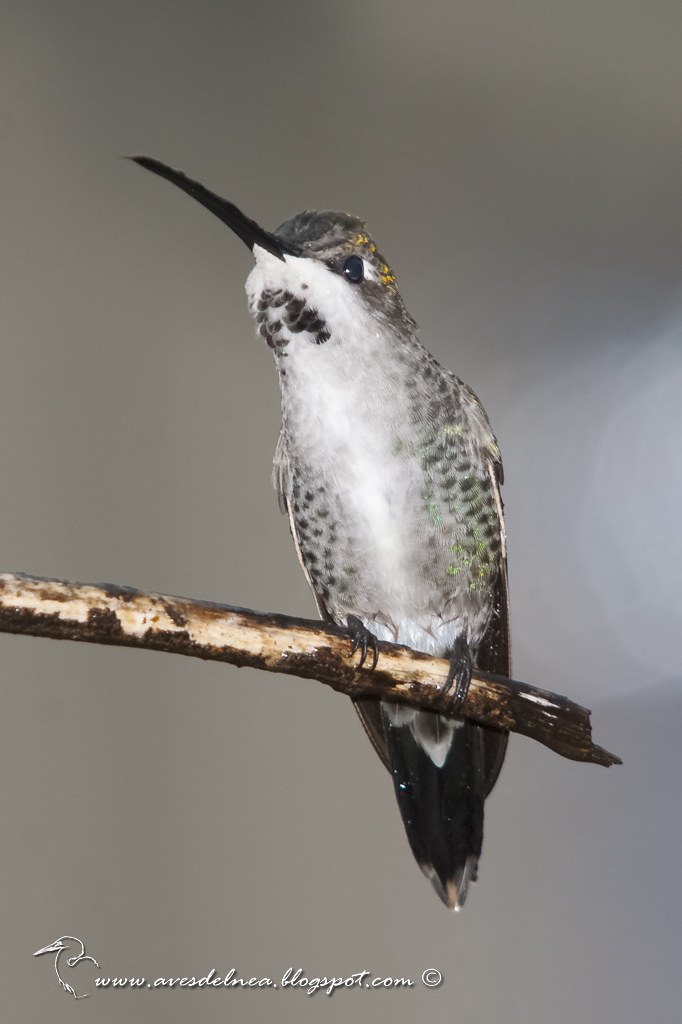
{"x": 109, "y": 614}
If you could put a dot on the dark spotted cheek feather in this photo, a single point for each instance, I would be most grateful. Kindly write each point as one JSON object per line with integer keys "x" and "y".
{"x": 280, "y": 314}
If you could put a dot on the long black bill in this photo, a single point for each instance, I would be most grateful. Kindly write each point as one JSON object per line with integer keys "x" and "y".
{"x": 245, "y": 228}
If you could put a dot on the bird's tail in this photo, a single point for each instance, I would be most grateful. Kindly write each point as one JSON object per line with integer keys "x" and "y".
{"x": 440, "y": 776}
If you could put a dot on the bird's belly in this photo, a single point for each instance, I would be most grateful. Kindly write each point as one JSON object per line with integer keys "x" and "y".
{"x": 375, "y": 553}
{"x": 375, "y": 538}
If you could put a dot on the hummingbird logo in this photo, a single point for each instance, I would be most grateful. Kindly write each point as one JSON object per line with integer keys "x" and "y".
{"x": 67, "y": 944}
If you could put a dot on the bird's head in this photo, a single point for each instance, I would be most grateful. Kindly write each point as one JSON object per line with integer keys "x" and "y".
{"x": 65, "y": 942}
{"x": 319, "y": 276}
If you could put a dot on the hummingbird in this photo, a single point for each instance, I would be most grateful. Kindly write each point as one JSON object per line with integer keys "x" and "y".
{"x": 390, "y": 474}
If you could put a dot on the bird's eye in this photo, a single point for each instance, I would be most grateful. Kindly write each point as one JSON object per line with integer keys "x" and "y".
{"x": 354, "y": 269}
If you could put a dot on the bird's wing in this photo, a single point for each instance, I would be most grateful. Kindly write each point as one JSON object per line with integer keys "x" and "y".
{"x": 369, "y": 712}
{"x": 494, "y": 651}
{"x": 368, "y": 709}
{"x": 280, "y": 481}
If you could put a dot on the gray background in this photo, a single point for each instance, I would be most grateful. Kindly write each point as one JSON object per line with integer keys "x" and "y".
{"x": 520, "y": 166}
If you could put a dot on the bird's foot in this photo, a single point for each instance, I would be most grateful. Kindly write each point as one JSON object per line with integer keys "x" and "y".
{"x": 459, "y": 674}
{"x": 362, "y": 639}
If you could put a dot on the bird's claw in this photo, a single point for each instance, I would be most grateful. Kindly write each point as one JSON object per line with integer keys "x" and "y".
{"x": 459, "y": 674}
{"x": 362, "y": 639}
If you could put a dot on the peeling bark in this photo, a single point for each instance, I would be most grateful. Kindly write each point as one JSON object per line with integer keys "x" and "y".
{"x": 109, "y": 614}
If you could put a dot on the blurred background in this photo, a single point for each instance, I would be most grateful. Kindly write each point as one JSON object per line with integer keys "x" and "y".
{"x": 520, "y": 167}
